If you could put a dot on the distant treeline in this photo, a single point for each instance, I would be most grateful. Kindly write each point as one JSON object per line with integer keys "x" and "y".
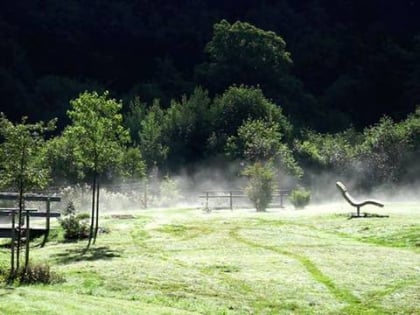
{"x": 241, "y": 133}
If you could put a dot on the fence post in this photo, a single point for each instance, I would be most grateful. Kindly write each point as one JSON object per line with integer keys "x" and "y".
{"x": 231, "y": 200}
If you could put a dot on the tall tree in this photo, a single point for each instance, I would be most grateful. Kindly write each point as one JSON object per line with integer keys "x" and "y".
{"x": 239, "y": 104}
{"x": 151, "y": 137}
{"x": 187, "y": 128}
{"x": 241, "y": 53}
{"x": 98, "y": 137}
{"x": 22, "y": 164}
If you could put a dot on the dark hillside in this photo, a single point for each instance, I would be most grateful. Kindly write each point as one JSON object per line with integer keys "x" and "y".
{"x": 357, "y": 59}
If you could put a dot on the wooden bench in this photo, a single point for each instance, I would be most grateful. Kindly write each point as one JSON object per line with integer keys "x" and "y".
{"x": 356, "y": 203}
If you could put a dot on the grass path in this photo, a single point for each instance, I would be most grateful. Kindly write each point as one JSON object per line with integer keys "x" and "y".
{"x": 355, "y": 305}
{"x": 183, "y": 261}
{"x": 341, "y": 294}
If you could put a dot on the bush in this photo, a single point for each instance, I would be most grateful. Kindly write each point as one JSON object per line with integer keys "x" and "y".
{"x": 260, "y": 185}
{"x": 300, "y": 198}
{"x": 74, "y": 225}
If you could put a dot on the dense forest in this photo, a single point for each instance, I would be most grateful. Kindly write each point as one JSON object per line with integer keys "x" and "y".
{"x": 326, "y": 79}
{"x": 353, "y": 61}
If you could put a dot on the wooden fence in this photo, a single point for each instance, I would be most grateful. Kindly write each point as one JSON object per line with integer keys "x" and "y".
{"x": 232, "y": 195}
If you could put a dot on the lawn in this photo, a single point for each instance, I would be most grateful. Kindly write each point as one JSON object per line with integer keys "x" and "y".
{"x": 186, "y": 261}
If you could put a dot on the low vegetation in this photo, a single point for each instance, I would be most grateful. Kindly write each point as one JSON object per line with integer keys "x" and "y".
{"x": 300, "y": 197}
{"x": 75, "y": 225}
{"x": 185, "y": 261}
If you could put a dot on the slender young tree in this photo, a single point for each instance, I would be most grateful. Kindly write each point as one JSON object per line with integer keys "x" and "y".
{"x": 98, "y": 137}
{"x": 22, "y": 166}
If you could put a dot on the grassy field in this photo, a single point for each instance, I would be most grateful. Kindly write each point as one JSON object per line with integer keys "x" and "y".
{"x": 185, "y": 261}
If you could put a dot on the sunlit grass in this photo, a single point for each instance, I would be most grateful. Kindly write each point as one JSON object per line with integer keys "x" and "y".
{"x": 177, "y": 261}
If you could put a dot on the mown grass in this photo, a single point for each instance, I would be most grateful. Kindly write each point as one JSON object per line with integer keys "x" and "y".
{"x": 185, "y": 261}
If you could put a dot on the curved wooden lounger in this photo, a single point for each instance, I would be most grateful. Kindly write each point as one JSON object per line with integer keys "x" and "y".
{"x": 355, "y": 203}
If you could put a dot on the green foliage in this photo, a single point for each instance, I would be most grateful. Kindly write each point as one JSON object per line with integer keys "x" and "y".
{"x": 328, "y": 151}
{"x": 412, "y": 125}
{"x": 22, "y": 165}
{"x": 300, "y": 198}
{"x": 132, "y": 165}
{"x": 239, "y": 104}
{"x": 70, "y": 209}
{"x": 251, "y": 45}
{"x": 187, "y": 126}
{"x": 258, "y": 140}
{"x": 384, "y": 154}
{"x": 383, "y": 151}
{"x": 61, "y": 155}
{"x": 99, "y": 139}
{"x": 133, "y": 117}
{"x": 74, "y": 225}
{"x": 151, "y": 137}
{"x": 260, "y": 184}
{"x": 242, "y": 53}
{"x": 22, "y": 160}
{"x": 96, "y": 131}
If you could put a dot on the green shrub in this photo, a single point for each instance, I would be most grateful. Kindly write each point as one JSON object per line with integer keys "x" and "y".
{"x": 260, "y": 185}
{"x": 74, "y": 225}
{"x": 300, "y": 198}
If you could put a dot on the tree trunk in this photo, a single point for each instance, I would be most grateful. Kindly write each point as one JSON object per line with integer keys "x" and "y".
{"x": 92, "y": 214}
{"x": 97, "y": 213}
{"x": 20, "y": 223}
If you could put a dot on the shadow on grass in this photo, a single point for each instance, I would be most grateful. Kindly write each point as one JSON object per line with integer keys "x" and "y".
{"x": 6, "y": 290}
{"x": 80, "y": 254}
{"x": 5, "y": 245}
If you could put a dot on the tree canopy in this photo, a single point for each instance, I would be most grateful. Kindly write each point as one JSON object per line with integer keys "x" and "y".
{"x": 97, "y": 137}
